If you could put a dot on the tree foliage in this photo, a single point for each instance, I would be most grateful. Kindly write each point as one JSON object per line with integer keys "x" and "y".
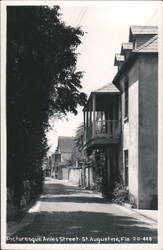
{"x": 77, "y": 153}
{"x": 42, "y": 81}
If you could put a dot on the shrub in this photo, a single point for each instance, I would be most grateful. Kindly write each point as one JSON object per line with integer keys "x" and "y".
{"x": 120, "y": 194}
{"x": 132, "y": 200}
{"x": 97, "y": 186}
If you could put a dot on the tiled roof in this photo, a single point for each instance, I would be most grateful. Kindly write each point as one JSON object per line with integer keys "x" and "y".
{"x": 144, "y": 44}
{"x": 118, "y": 59}
{"x": 137, "y": 30}
{"x": 150, "y": 46}
{"x": 109, "y": 88}
{"x": 65, "y": 144}
{"x": 127, "y": 46}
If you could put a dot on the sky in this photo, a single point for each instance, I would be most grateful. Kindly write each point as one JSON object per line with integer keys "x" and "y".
{"x": 106, "y": 26}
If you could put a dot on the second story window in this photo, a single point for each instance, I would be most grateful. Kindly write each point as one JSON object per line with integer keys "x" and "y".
{"x": 126, "y": 98}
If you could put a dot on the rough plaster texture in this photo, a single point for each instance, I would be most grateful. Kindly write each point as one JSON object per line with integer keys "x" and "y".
{"x": 130, "y": 131}
{"x": 65, "y": 173}
{"x": 139, "y": 134}
{"x": 65, "y": 156}
{"x": 74, "y": 175}
{"x": 89, "y": 176}
{"x": 133, "y": 132}
{"x": 126, "y": 136}
{"x": 120, "y": 155}
{"x": 148, "y": 133}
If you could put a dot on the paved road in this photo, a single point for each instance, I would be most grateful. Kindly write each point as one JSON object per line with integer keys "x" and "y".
{"x": 68, "y": 214}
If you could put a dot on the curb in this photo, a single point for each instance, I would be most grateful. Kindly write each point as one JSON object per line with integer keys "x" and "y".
{"x": 26, "y": 219}
{"x": 14, "y": 227}
{"x": 136, "y": 212}
{"x": 146, "y": 216}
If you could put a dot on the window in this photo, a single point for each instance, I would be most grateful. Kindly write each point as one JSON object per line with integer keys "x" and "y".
{"x": 126, "y": 98}
{"x": 126, "y": 166}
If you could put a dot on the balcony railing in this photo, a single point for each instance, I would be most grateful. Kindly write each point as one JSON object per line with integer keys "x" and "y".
{"x": 104, "y": 128}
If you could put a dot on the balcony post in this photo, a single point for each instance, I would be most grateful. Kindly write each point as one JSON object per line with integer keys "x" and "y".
{"x": 85, "y": 129}
{"x": 90, "y": 118}
{"x": 87, "y": 124}
{"x": 84, "y": 118}
{"x": 94, "y": 110}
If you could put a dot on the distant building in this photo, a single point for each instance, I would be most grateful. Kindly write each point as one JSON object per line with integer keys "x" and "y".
{"x": 61, "y": 157}
{"x": 122, "y": 118}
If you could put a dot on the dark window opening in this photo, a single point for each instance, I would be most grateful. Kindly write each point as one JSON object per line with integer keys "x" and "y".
{"x": 126, "y": 166}
{"x": 126, "y": 98}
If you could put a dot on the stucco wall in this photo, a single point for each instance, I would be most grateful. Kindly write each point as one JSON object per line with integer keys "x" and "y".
{"x": 126, "y": 135}
{"x": 148, "y": 105}
{"x": 120, "y": 155}
{"x": 133, "y": 133}
{"x": 65, "y": 173}
{"x": 139, "y": 133}
{"x": 65, "y": 156}
{"x": 130, "y": 130}
{"x": 75, "y": 175}
{"x": 88, "y": 176}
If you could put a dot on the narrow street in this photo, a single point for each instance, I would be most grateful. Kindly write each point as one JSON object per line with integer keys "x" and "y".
{"x": 66, "y": 213}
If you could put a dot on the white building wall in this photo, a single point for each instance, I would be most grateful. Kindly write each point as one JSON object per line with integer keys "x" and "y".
{"x": 75, "y": 175}
{"x": 130, "y": 133}
{"x": 133, "y": 141}
{"x": 148, "y": 131}
{"x": 65, "y": 156}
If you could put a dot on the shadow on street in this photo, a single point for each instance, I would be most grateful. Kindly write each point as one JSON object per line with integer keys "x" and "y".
{"x": 68, "y": 211}
{"x": 86, "y": 224}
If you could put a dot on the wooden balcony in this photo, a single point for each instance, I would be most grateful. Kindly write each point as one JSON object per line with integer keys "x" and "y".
{"x": 102, "y": 133}
{"x": 101, "y": 114}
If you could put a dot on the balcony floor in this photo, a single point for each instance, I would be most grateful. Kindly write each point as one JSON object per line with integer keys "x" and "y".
{"x": 101, "y": 142}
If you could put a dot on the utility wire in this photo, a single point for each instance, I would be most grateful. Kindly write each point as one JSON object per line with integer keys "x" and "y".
{"x": 144, "y": 26}
{"x": 151, "y": 40}
{"x": 79, "y": 16}
{"x": 155, "y": 12}
{"x": 75, "y": 20}
{"x": 82, "y": 16}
